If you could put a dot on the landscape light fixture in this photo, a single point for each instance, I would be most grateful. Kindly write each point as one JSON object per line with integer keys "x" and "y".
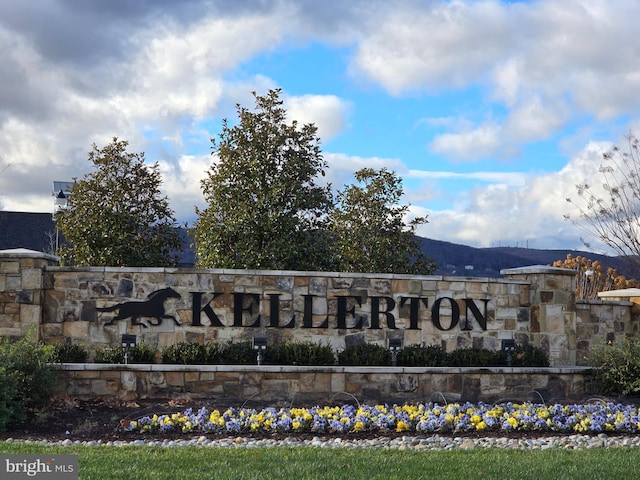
{"x": 509, "y": 346}
{"x": 395, "y": 345}
{"x": 260, "y": 344}
{"x": 128, "y": 342}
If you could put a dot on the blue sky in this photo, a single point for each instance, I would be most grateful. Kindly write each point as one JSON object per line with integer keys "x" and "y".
{"x": 490, "y": 111}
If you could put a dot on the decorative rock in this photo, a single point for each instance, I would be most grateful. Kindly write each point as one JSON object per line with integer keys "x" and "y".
{"x": 434, "y": 443}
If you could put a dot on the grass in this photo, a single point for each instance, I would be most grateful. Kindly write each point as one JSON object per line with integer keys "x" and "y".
{"x": 185, "y": 463}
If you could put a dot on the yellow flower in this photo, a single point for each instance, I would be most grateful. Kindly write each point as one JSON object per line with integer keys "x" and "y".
{"x": 402, "y": 426}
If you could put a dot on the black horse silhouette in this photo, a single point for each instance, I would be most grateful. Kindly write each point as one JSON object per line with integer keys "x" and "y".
{"x": 152, "y": 307}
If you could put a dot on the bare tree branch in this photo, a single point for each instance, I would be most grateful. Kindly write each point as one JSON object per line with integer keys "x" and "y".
{"x": 613, "y": 217}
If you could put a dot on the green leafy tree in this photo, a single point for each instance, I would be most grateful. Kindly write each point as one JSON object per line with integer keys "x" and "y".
{"x": 613, "y": 217}
{"x": 370, "y": 230}
{"x": 265, "y": 208}
{"x": 116, "y": 215}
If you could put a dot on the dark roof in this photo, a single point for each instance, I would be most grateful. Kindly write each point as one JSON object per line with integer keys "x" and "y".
{"x": 35, "y": 231}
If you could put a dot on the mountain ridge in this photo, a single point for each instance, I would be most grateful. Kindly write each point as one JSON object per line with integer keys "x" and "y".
{"x": 462, "y": 260}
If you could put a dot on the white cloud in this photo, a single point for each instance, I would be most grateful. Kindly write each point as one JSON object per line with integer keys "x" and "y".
{"x": 188, "y": 65}
{"x": 507, "y": 178}
{"x": 182, "y": 184}
{"x": 480, "y": 142}
{"x": 510, "y": 213}
{"x": 443, "y": 45}
{"x": 534, "y": 119}
{"x": 541, "y": 58}
{"x": 328, "y": 112}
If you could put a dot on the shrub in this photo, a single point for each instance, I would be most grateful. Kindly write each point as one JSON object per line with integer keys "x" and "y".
{"x": 69, "y": 353}
{"x": 474, "y": 357}
{"x": 183, "y": 353}
{"x": 187, "y": 353}
{"x": 239, "y": 353}
{"x": 618, "y": 366}
{"x": 365, "y": 354}
{"x": 309, "y": 353}
{"x": 26, "y": 381}
{"x": 527, "y": 356}
{"x": 109, "y": 355}
{"x": 300, "y": 353}
{"x": 141, "y": 353}
{"x": 422, "y": 356}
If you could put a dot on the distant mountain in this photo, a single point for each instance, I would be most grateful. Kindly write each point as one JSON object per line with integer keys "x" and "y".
{"x": 37, "y": 231}
{"x": 461, "y": 260}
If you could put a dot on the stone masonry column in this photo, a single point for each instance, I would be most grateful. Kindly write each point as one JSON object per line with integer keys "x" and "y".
{"x": 22, "y": 290}
{"x": 553, "y": 309}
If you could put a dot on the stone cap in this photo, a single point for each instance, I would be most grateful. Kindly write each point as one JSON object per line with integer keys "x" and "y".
{"x": 538, "y": 269}
{"x": 25, "y": 252}
{"x": 622, "y": 293}
{"x": 161, "y": 367}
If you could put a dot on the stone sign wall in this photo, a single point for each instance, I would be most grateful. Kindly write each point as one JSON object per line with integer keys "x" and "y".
{"x": 162, "y": 306}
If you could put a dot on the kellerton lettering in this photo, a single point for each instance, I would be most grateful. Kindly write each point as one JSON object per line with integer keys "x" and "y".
{"x": 349, "y": 312}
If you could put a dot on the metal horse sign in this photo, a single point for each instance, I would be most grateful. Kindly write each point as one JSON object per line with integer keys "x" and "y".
{"x": 153, "y": 307}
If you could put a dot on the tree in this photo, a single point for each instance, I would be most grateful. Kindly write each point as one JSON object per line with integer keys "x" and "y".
{"x": 614, "y": 217}
{"x": 370, "y": 230}
{"x": 593, "y": 278}
{"x": 265, "y": 209}
{"x": 116, "y": 215}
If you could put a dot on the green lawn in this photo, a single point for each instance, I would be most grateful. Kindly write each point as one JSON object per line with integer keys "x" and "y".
{"x": 184, "y": 463}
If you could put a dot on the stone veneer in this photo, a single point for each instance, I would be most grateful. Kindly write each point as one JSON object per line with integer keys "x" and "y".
{"x": 531, "y": 305}
{"x": 74, "y": 294}
{"x": 236, "y": 385}
{"x": 22, "y": 290}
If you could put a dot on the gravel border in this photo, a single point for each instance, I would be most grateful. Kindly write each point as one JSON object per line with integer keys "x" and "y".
{"x": 419, "y": 443}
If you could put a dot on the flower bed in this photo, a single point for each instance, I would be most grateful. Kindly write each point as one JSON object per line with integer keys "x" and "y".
{"x": 422, "y": 418}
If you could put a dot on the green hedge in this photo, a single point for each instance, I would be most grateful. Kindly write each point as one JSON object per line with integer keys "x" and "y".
{"x": 69, "y": 353}
{"x": 436, "y": 356}
{"x": 141, "y": 353}
{"x": 365, "y": 354}
{"x": 309, "y": 353}
{"x": 300, "y": 353}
